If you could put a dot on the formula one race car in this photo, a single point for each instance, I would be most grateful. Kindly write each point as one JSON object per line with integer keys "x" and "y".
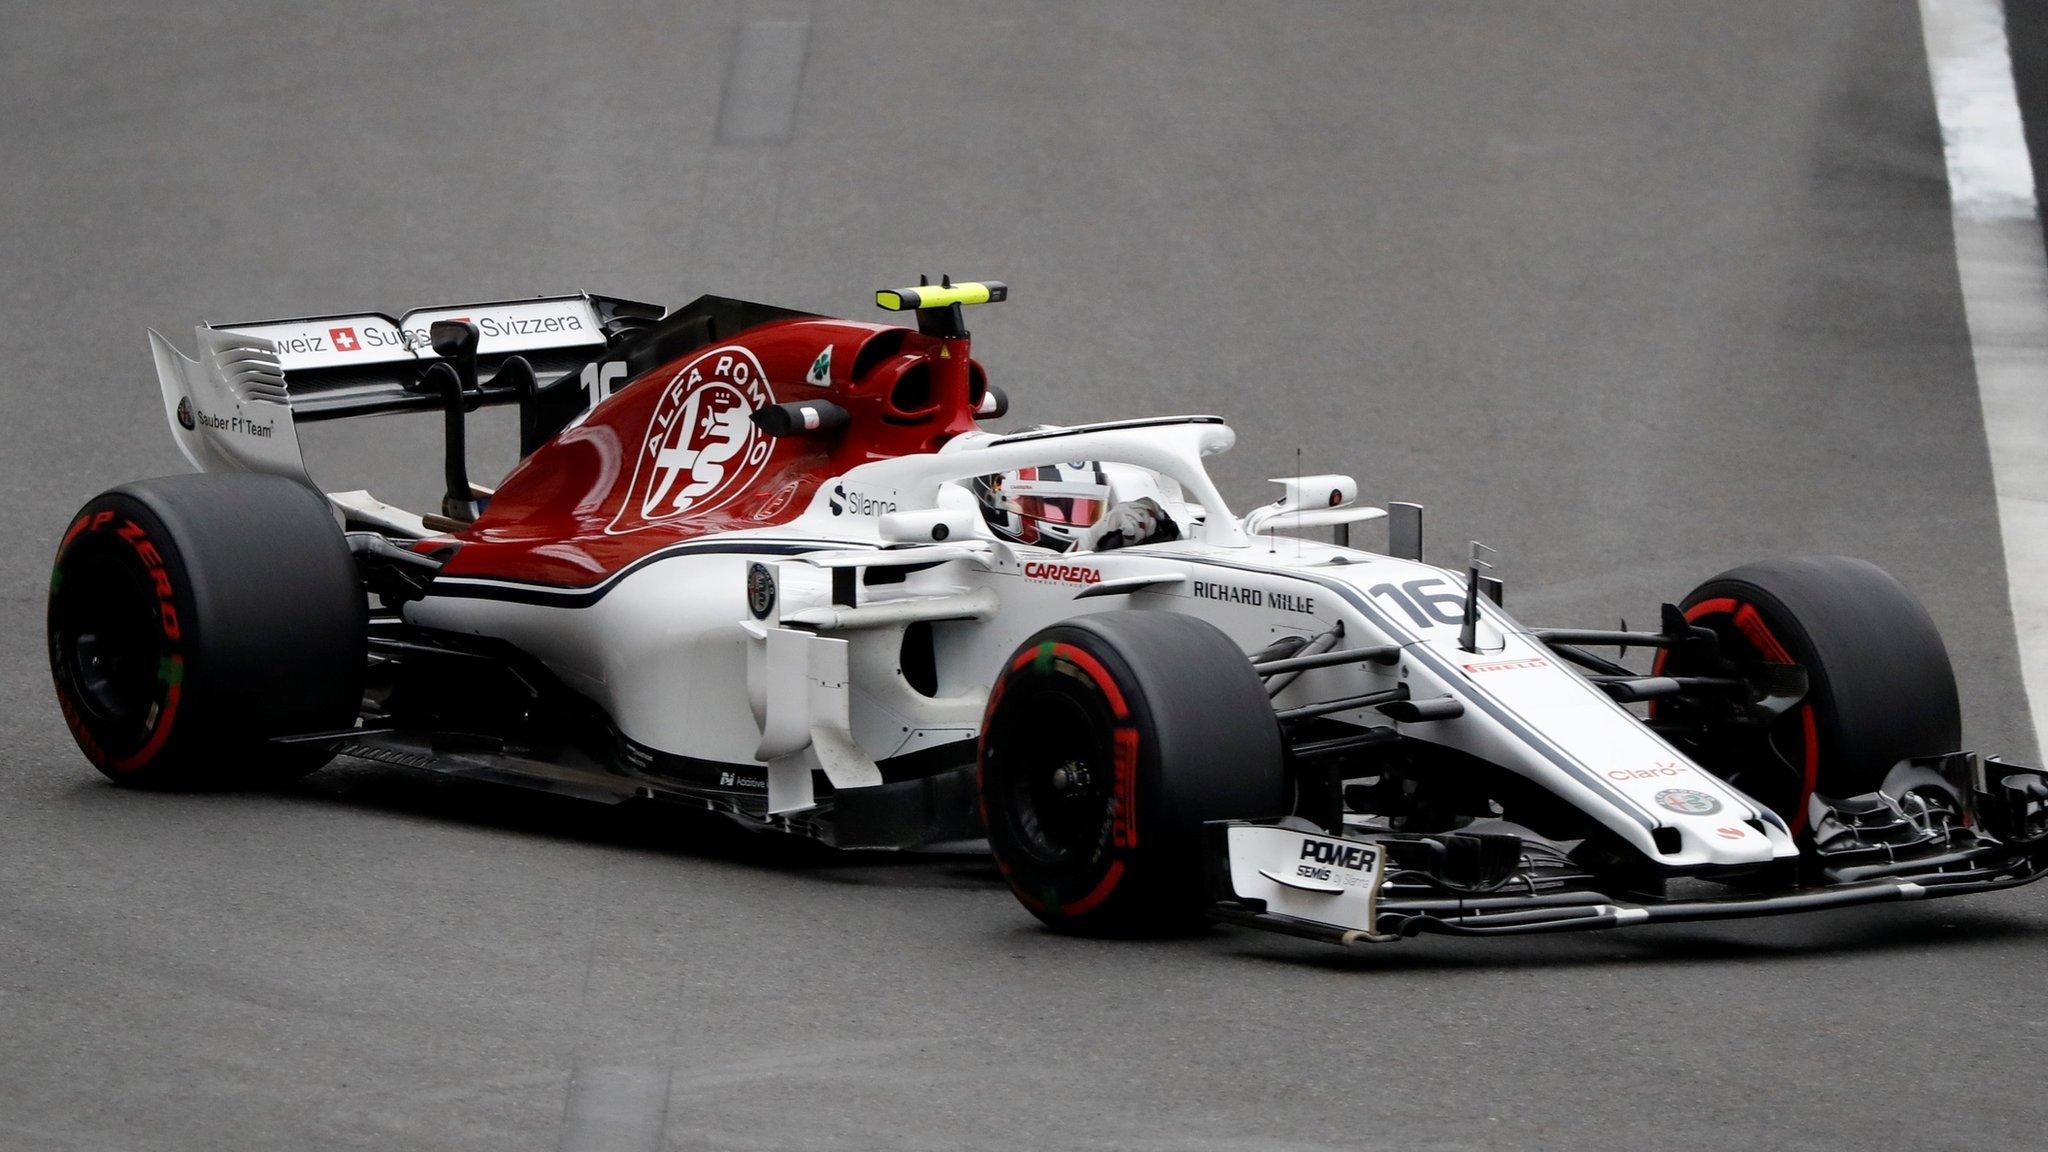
{"x": 767, "y": 564}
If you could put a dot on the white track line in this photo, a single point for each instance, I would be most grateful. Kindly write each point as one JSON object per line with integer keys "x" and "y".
{"x": 2005, "y": 298}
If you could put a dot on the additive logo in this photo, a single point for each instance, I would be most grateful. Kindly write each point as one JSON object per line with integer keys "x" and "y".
{"x": 344, "y": 339}
{"x": 701, "y": 447}
{"x": 1688, "y": 802}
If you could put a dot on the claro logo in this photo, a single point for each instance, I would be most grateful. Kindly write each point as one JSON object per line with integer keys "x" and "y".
{"x": 1656, "y": 769}
{"x": 1061, "y": 573}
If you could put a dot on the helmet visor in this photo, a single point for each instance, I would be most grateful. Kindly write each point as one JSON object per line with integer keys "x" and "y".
{"x": 1052, "y": 505}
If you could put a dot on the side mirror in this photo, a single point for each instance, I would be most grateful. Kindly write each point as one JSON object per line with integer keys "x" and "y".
{"x": 995, "y": 404}
{"x": 1301, "y": 493}
{"x": 453, "y": 340}
{"x": 928, "y": 526}
{"x": 1323, "y": 501}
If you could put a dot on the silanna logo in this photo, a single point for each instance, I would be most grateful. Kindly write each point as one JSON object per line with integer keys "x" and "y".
{"x": 701, "y": 447}
{"x": 845, "y": 501}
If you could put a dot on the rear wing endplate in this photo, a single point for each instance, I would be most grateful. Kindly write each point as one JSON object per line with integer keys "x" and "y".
{"x": 228, "y": 409}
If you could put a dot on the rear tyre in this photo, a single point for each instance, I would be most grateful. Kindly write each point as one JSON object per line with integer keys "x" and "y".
{"x": 1880, "y": 688}
{"x": 1108, "y": 742}
{"x": 192, "y": 618}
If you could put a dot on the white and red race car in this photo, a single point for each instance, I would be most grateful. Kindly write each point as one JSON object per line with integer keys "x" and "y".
{"x": 767, "y": 563}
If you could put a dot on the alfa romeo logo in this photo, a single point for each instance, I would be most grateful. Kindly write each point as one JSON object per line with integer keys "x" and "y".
{"x": 1689, "y": 802}
{"x": 701, "y": 447}
{"x": 185, "y": 412}
{"x": 760, "y": 590}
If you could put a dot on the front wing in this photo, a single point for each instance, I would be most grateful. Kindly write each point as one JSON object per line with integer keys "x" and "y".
{"x": 1360, "y": 886}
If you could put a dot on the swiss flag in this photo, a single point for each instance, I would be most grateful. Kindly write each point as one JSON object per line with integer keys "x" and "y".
{"x": 344, "y": 339}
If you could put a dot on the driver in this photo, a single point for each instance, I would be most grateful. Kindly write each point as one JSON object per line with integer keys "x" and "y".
{"x": 1066, "y": 507}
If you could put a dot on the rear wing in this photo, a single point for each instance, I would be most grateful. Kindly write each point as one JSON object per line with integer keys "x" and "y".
{"x": 236, "y": 407}
{"x": 357, "y": 365}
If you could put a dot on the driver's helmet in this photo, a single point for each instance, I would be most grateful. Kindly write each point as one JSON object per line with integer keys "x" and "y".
{"x": 1050, "y": 505}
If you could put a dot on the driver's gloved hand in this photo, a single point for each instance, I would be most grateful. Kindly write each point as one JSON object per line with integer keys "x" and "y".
{"x": 1140, "y": 521}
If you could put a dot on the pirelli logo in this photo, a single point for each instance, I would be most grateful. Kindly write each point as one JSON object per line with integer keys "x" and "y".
{"x": 1507, "y": 665}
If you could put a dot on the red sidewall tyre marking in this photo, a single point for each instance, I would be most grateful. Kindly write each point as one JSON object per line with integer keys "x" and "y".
{"x": 1125, "y": 746}
{"x": 159, "y": 732}
{"x": 170, "y": 631}
{"x": 1099, "y": 893}
{"x": 1750, "y": 623}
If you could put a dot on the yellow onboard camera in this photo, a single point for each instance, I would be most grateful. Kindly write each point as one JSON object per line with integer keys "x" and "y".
{"x": 943, "y": 295}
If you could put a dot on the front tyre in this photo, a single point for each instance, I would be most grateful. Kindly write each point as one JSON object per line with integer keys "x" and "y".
{"x": 1108, "y": 742}
{"x": 192, "y": 618}
{"x": 1879, "y": 685}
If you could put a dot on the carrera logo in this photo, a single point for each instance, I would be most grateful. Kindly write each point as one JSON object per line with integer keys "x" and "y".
{"x": 1507, "y": 665}
{"x": 1061, "y": 573}
{"x": 701, "y": 447}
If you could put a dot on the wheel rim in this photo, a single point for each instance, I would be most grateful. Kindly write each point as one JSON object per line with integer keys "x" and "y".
{"x": 106, "y": 639}
{"x": 1057, "y": 774}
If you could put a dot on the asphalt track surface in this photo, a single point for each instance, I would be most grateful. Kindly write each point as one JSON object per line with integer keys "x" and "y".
{"x": 1631, "y": 292}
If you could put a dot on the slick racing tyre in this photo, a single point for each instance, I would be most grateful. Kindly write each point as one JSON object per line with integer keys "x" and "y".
{"x": 192, "y": 618}
{"x": 1879, "y": 685}
{"x": 1109, "y": 740}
